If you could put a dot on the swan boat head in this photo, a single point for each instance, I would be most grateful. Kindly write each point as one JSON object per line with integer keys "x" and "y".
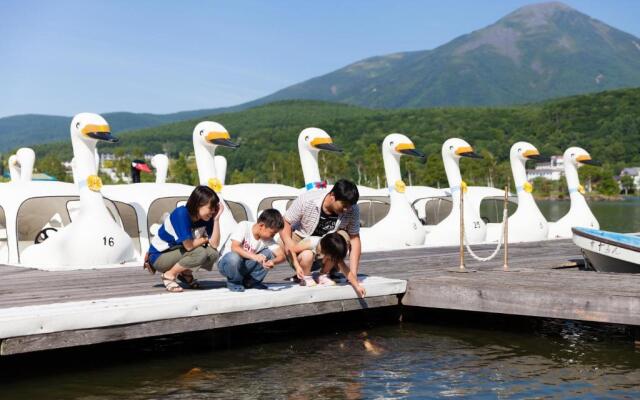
{"x": 310, "y": 142}
{"x": 207, "y": 136}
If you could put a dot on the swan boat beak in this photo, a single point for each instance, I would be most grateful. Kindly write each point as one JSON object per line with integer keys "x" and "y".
{"x": 467, "y": 151}
{"x": 535, "y": 155}
{"x": 410, "y": 150}
{"x": 221, "y": 139}
{"x": 325, "y": 144}
{"x": 585, "y": 159}
{"x": 99, "y": 132}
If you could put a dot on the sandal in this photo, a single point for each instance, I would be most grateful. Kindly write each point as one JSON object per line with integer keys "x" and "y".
{"x": 171, "y": 284}
{"x": 189, "y": 280}
{"x": 147, "y": 265}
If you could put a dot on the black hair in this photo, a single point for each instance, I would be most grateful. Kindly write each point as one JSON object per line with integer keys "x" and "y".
{"x": 347, "y": 191}
{"x": 334, "y": 246}
{"x": 271, "y": 218}
{"x": 201, "y": 196}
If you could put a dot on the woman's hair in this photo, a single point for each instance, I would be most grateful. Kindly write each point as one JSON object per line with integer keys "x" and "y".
{"x": 201, "y": 196}
{"x": 271, "y": 218}
{"x": 334, "y": 246}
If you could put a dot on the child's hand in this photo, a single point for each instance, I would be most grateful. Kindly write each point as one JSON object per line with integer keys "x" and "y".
{"x": 299, "y": 272}
{"x": 268, "y": 264}
{"x": 260, "y": 258}
{"x": 360, "y": 291}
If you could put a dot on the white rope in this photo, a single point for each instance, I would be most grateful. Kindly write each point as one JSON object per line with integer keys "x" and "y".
{"x": 495, "y": 252}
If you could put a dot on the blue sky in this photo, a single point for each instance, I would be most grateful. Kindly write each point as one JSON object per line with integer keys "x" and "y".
{"x": 63, "y": 57}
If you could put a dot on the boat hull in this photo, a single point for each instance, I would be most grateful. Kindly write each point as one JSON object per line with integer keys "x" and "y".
{"x": 608, "y": 251}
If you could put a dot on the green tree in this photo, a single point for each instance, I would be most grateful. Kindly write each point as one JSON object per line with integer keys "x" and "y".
{"x": 627, "y": 183}
{"x": 52, "y": 166}
{"x": 180, "y": 172}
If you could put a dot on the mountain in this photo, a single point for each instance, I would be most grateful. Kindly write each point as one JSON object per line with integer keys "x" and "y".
{"x": 31, "y": 129}
{"x": 537, "y": 52}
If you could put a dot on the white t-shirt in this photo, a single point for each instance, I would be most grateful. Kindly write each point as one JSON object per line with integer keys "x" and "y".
{"x": 243, "y": 234}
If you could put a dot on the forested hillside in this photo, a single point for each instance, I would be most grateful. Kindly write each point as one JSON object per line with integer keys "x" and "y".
{"x": 607, "y": 124}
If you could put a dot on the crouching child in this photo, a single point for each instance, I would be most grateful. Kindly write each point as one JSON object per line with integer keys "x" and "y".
{"x": 330, "y": 250}
{"x": 251, "y": 252}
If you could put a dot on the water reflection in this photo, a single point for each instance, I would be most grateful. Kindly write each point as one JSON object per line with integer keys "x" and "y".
{"x": 617, "y": 216}
{"x": 559, "y": 360}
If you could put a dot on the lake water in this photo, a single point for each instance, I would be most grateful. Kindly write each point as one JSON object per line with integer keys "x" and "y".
{"x": 342, "y": 359}
{"x": 619, "y": 216}
{"x": 408, "y": 360}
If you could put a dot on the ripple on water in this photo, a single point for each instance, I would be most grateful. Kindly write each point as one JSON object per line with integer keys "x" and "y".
{"x": 559, "y": 360}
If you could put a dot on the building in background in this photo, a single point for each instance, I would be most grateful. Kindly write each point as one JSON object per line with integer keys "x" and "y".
{"x": 552, "y": 170}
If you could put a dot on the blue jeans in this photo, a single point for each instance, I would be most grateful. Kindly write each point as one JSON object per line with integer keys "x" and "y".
{"x": 237, "y": 269}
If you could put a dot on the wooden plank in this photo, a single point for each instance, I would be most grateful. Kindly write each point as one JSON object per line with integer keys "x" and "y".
{"x": 555, "y": 297}
{"x": 25, "y": 344}
{"x": 30, "y": 286}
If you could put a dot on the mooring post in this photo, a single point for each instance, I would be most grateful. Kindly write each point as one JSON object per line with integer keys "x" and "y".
{"x": 462, "y": 269}
{"x": 505, "y": 267}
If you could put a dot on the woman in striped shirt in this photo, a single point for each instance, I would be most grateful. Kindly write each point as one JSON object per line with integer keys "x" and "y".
{"x": 188, "y": 240}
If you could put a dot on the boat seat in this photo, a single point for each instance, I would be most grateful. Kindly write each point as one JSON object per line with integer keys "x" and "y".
{"x": 372, "y": 212}
{"x": 436, "y": 210}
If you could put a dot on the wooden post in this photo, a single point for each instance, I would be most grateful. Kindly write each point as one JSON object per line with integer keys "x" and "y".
{"x": 505, "y": 267}
{"x": 462, "y": 269}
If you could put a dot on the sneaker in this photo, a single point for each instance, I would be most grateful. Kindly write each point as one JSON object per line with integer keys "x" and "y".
{"x": 251, "y": 283}
{"x": 325, "y": 280}
{"x": 234, "y": 287}
{"x": 308, "y": 281}
{"x": 260, "y": 285}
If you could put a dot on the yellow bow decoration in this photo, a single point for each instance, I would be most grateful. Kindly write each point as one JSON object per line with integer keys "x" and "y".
{"x": 94, "y": 183}
{"x": 528, "y": 187}
{"x": 463, "y": 186}
{"x": 400, "y": 186}
{"x": 215, "y": 184}
{"x": 581, "y": 189}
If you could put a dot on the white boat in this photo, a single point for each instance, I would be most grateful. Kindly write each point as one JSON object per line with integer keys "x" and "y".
{"x": 94, "y": 237}
{"x": 527, "y": 224}
{"x": 447, "y": 232}
{"x": 400, "y": 228}
{"x": 606, "y": 251}
{"x": 579, "y": 213}
{"x": 21, "y": 164}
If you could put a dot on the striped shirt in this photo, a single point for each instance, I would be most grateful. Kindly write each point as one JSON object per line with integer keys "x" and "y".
{"x": 304, "y": 215}
{"x": 175, "y": 229}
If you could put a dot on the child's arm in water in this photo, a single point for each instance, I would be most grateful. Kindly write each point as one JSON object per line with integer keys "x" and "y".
{"x": 352, "y": 278}
{"x": 215, "y": 235}
{"x": 296, "y": 264}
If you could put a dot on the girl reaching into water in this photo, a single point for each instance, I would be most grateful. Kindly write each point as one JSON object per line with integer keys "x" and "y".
{"x": 188, "y": 240}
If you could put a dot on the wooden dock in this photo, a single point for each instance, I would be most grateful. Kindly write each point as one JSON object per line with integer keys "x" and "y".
{"x": 544, "y": 285}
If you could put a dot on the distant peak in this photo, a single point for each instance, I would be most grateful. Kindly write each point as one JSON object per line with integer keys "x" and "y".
{"x": 546, "y": 7}
{"x": 538, "y": 14}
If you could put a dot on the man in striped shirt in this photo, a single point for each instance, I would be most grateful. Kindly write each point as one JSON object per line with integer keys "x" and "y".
{"x": 319, "y": 212}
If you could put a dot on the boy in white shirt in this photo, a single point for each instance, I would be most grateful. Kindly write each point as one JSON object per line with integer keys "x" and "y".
{"x": 251, "y": 251}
